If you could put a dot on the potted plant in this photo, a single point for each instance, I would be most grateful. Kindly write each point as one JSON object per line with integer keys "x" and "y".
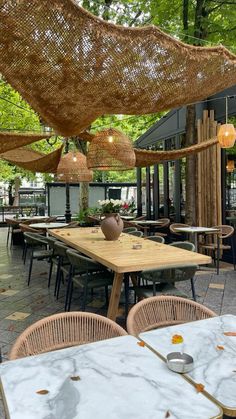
{"x": 112, "y": 225}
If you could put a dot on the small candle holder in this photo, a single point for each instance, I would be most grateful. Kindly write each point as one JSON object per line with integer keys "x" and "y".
{"x": 179, "y": 362}
{"x": 137, "y": 246}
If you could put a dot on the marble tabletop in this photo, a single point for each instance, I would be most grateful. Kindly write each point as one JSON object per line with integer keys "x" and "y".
{"x": 113, "y": 379}
{"x": 48, "y": 225}
{"x": 213, "y": 352}
{"x": 197, "y": 229}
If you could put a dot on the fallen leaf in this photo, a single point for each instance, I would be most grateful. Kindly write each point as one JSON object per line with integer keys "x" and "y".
{"x": 9, "y": 286}
{"x": 199, "y": 387}
{"x": 2, "y": 290}
{"x": 220, "y": 347}
{"x": 167, "y": 415}
{"x": 230, "y": 333}
{"x": 234, "y": 371}
{"x": 177, "y": 339}
{"x": 76, "y": 378}
{"x": 11, "y": 328}
{"x": 141, "y": 343}
{"x": 42, "y": 392}
{"x": 68, "y": 234}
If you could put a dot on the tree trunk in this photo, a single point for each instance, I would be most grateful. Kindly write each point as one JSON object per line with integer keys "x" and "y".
{"x": 83, "y": 195}
{"x": 10, "y": 196}
{"x": 17, "y": 183}
{"x": 190, "y": 213}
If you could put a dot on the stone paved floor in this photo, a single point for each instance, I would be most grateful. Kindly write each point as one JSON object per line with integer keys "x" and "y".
{"x": 21, "y": 305}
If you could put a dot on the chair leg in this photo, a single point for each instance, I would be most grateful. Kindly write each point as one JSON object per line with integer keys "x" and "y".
{"x": 193, "y": 289}
{"x": 70, "y": 295}
{"x": 83, "y": 307}
{"x": 59, "y": 284}
{"x": 233, "y": 251}
{"x": 107, "y": 296}
{"x": 50, "y": 274}
{"x": 218, "y": 256}
{"x": 8, "y": 235}
{"x": 69, "y": 283}
{"x": 30, "y": 268}
{"x": 126, "y": 286}
{"x": 57, "y": 275}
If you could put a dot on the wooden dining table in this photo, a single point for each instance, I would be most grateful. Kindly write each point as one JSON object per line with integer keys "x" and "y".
{"x": 123, "y": 256}
{"x": 114, "y": 379}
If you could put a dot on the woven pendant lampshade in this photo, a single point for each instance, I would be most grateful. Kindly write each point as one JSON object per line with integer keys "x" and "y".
{"x": 111, "y": 149}
{"x": 226, "y": 135}
{"x": 72, "y": 168}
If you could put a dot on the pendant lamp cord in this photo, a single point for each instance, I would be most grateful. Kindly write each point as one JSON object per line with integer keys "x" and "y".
{"x": 226, "y": 110}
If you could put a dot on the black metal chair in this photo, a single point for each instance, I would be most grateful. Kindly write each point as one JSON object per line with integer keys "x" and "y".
{"x": 86, "y": 274}
{"x": 33, "y": 242}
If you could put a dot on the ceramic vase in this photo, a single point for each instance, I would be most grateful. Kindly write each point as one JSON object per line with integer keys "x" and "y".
{"x": 112, "y": 226}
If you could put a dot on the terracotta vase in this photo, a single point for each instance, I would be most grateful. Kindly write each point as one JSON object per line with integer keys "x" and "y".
{"x": 112, "y": 226}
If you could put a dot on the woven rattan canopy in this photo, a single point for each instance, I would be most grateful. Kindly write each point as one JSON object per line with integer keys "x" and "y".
{"x": 33, "y": 160}
{"x": 9, "y": 140}
{"x": 72, "y": 67}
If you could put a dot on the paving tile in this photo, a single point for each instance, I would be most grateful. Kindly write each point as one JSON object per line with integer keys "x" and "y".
{"x": 18, "y": 315}
{"x": 217, "y": 286}
{"x": 9, "y": 293}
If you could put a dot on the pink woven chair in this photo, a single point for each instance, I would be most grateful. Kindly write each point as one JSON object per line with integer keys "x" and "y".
{"x": 155, "y": 312}
{"x": 62, "y": 331}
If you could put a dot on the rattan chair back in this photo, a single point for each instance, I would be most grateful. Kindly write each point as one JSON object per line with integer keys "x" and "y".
{"x": 129, "y": 229}
{"x": 173, "y": 227}
{"x": 64, "y": 330}
{"x": 136, "y": 233}
{"x": 82, "y": 263}
{"x": 165, "y": 222}
{"x": 184, "y": 245}
{"x": 164, "y": 311}
{"x": 226, "y": 231}
{"x": 158, "y": 239}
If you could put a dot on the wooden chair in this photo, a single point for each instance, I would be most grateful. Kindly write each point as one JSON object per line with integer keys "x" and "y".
{"x": 164, "y": 311}
{"x": 173, "y": 227}
{"x": 165, "y": 222}
{"x": 64, "y": 330}
{"x": 226, "y": 232}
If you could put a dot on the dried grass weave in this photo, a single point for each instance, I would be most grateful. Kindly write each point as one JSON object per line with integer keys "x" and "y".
{"x": 72, "y": 67}
{"x": 73, "y": 168}
{"x": 33, "y": 160}
{"x": 146, "y": 158}
{"x": 9, "y": 140}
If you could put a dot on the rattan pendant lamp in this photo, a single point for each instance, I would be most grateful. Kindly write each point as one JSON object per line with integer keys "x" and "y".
{"x": 72, "y": 168}
{"x": 226, "y": 134}
{"x": 111, "y": 149}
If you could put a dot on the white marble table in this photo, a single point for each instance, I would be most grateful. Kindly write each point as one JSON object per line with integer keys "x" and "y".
{"x": 215, "y": 368}
{"x": 118, "y": 380}
{"x": 48, "y": 225}
{"x": 195, "y": 231}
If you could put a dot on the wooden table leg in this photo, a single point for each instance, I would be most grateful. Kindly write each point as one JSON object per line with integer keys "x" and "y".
{"x": 115, "y": 296}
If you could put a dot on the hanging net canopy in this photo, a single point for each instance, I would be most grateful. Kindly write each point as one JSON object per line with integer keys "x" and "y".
{"x": 72, "y": 67}
{"x": 72, "y": 168}
{"x": 33, "y": 160}
{"x": 9, "y": 140}
{"x": 146, "y": 158}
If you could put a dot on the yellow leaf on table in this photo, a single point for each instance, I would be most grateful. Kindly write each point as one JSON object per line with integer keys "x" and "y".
{"x": 220, "y": 347}
{"x": 199, "y": 387}
{"x": 177, "y": 339}
{"x": 141, "y": 343}
{"x": 230, "y": 333}
{"x": 42, "y": 392}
